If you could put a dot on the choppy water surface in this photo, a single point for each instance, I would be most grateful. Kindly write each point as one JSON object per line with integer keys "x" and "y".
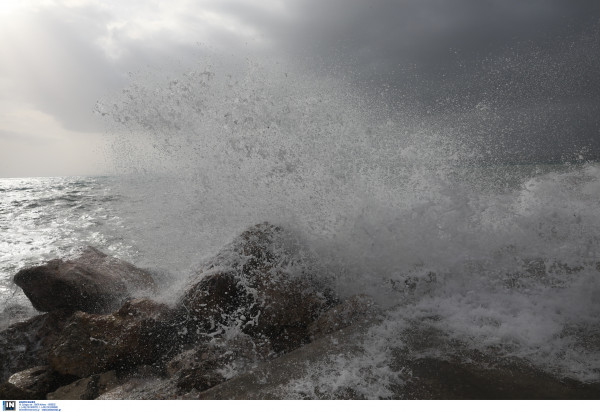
{"x": 42, "y": 218}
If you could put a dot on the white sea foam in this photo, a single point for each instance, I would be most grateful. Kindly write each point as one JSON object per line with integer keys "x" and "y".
{"x": 394, "y": 204}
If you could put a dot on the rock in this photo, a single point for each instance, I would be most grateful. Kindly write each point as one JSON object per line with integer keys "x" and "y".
{"x": 14, "y": 313}
{"x": 142, "y": 383}
{"x": 460, "y": 372}
{"x": 143, "y": 388}
{"x": 209, "y": 364}
{"x": 342, "y": 315}
{"x": 197, "y": 368}
{"x": 93, "y": 282}
{"x": 82, "y": 389}
{"x": 107, "y": 381}
{"x": 10, "y": 391}
{"x": 140, "y": 332}
{"x": 26, "y": 344}
{"x": 33, "y": 383}
{"x": 343, "y": 365}
{"x": 87, "y": 388}
{"x": 454, "y": 378}
{"x": 289, "y": 376}
{"x": 262, "y": 284}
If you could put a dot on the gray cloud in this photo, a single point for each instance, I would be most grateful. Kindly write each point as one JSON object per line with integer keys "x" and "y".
{"x": 442, "y": 59}
{"x": 59, "y": 68}
{"x": 11, "y": 136}
{"x": 434, "y": 40}
{"x": 534, "y": 64}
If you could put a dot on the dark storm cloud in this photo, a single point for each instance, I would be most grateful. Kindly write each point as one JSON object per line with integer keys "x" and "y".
{"x": 521, "y": 78}
{"x": 431, "y": 48}
{"x": 477, "y": 66}
{"x": 428, "y": 34}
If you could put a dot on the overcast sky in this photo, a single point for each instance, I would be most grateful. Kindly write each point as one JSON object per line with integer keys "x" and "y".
{"x": 536, "y": 62}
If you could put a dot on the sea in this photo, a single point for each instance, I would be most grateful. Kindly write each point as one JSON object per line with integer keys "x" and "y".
{"x": 497, "y": 255}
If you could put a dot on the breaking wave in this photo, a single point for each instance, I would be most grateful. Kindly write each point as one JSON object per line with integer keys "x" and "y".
{"x": 399, "y": 205}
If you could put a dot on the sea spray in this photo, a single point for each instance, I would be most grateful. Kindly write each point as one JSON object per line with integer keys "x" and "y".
{"x": 401, "y": 206}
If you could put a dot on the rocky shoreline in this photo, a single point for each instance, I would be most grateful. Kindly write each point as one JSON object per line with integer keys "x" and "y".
{"x": 257, "y": 322}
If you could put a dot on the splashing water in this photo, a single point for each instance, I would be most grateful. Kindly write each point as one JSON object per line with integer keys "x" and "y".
{"x": 394, "y": 204}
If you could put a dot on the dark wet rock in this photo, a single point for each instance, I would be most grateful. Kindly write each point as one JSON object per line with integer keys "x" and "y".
{"x": 144, "y": 382}
{"x": 140, "y": 332}
{"x": 33, "y": 383}
{"x": 93, "y": 283}
{"x": 209, "y": 364}
{"x": 87, "y": 388}
{"x": 14, "y": 313}
{"x": 26, "y": 344}
{"x": 342, "y": 315}
{"x": 342, "y": 366}
{"x": 10, "y": 391}
{"x": 443, "y": 368}
{"x": 82, "y": 389}
{"x": 263, "y": 284}
{"x": 197, "y": 368}
{"x": 259, "y": 322}
{"x": 435, "y": 378}
{"x": 143, "y": 388}
{"x": 107, "y": 381}
{"x": 288, "y": 376}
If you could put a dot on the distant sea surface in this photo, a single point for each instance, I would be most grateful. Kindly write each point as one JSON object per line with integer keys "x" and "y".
{"x": 45, "y": 218}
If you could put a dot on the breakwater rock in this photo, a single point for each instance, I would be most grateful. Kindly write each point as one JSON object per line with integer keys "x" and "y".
{"x": 259, "y": 320}
{"x": 93, "y": 282}
{"x": 261, "y": 284}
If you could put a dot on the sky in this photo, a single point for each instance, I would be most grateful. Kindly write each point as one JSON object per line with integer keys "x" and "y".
{"x": 535, "y": 63}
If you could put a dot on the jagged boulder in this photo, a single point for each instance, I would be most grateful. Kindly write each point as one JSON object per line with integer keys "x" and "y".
{"x": 26, "y": 344}
{"x": 344, "y": 365}
{"x": 141, "y": 332}
{"x": 262, "y": 283}
{"x": 87, "y": 388}
{"x": 142, "y": 383}
{"x": 14, "y": 313}
{"x": 304, "y": 372}
{"x": 343, "y": 315}
{"x": 209, "y": 364}
{"x": 93, "y": 283}
{"x": 82, "y": 389}
{"x": 33, "y": 383}
{"x": 453, "y": 378}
